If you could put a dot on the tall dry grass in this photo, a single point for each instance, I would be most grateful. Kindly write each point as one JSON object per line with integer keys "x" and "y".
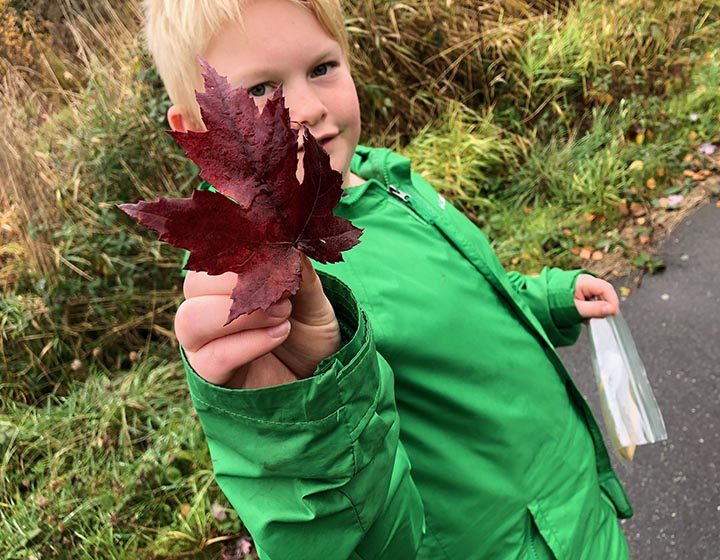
{"x": 413, "y": 59}
{"x": 28, "y": 180}
{"x": 83, "y": 284}
{"x": 529, "y": 58}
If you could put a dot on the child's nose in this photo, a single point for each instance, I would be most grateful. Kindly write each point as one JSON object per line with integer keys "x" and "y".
{"x": 306, "y": 106}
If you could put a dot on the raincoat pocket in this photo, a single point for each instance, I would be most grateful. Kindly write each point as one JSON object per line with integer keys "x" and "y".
{"x": 542, "y": 541}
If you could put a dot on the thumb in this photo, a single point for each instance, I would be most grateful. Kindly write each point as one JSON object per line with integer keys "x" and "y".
{"x": 310, "y": 304}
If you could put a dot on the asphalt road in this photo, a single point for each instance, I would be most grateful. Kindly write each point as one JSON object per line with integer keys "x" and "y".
{"x": 675, "y": 320}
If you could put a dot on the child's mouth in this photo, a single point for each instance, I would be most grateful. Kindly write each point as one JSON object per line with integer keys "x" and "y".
{"x": 322, "y": 141}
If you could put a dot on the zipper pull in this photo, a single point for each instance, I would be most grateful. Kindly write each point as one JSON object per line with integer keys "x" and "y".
{"x": 393, "y": 190}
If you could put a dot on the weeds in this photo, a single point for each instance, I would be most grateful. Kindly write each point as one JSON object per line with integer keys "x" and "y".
{"x": 550, "y": 201}
{"x": 118, "y": 469}
{"x": 411, "y": 59}
{"x": 93, "y": 285}
{"x": 466, "y": 156}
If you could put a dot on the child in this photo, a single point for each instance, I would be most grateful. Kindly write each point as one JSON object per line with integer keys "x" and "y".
{"x": 408, "y": 402}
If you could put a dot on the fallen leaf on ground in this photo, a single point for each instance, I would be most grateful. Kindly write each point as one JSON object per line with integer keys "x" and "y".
{"x": 637, "y": 209}
{"x": 218, "y": 511}
{"x": 675, "y": 200}
{"x": 707, "y": 148}
{"x": 245, "y": 546}
{"x": 42, "y": 501}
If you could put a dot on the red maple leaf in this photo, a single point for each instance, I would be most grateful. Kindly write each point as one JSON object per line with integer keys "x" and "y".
{"x": 251, "y": 157}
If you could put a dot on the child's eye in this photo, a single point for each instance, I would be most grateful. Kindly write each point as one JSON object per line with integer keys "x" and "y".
{"x": 322, "y": 69}
{"x": 258, "y": 90}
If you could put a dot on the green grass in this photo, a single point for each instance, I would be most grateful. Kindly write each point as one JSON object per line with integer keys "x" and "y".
{"x": 524, "y": 190}
{"x": 117, "y": 469}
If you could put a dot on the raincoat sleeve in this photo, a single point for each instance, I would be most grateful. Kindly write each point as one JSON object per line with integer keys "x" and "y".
{"x": 315, "y": 468}
{"x": 550, "y": 296}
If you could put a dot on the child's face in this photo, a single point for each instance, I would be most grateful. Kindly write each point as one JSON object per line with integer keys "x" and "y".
{"x": 280, "y": 43}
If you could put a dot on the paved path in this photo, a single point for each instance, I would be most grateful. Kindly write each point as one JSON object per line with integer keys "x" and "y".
{"x": 675, "y": 320}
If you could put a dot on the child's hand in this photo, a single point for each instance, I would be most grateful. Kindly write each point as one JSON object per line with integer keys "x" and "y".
{"x": 261, "y": 349}
{"x": 595, "y": 297}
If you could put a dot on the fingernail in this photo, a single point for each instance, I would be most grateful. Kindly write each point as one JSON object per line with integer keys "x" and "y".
{"x": 280, "y": 309}
{"x": 278, "y": 331}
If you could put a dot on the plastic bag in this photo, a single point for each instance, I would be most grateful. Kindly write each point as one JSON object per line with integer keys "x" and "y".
{"x": 629, "y": 408}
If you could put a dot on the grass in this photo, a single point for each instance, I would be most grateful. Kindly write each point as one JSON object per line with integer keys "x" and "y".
{"x": 551, "y": 124}
{"x": 536, "y": 211}
{"x": 117, "y": 469}
{"x": 414, "y": 59}
{"x": 92, "y": 286}
{"x": 582, "y": 99}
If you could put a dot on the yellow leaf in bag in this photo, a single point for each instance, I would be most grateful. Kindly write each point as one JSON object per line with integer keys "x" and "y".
{"x": 627, "y": 452}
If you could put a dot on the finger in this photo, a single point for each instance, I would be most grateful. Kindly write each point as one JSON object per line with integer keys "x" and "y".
{"x": 204, "y": 284}
{"x": 610, "y": 297}
{"x": 201, "y": 319}
{"x": 310, "y": 305}
{"x": 588, "y": 287}
{"x": 601, "y": 290}
{"x": 218, "y": 360}
{"x": 594, "y": 309}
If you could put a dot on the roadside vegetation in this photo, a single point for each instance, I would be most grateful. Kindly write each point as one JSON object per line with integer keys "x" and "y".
{"x": 573, "y": 133}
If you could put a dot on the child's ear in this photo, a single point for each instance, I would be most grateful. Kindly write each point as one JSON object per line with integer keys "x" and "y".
{"x": 176, "y": 119}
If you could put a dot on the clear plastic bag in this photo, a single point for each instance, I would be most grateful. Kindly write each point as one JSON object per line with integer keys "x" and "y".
{"x": 629, "y": 408}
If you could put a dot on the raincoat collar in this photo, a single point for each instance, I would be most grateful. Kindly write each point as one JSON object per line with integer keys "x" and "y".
{"x": 381, "y": 165}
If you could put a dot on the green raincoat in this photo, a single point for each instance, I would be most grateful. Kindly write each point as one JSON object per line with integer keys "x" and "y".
{"x": 446, "y": 427}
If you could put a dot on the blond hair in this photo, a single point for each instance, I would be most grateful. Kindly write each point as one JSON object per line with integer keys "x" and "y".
{"x": 177, "y": 31}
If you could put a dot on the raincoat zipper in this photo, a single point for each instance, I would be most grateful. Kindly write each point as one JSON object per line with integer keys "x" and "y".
{"x": 393, "y": 190}
{"x": 405, "y": 197}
